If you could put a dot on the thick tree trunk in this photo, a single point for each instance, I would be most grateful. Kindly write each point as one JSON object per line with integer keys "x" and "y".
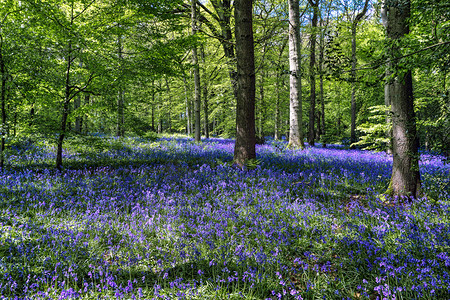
{"x": 312, "y": 73}
{"x": 244, "y": 148}
{"x": 197, "y": 95}
{"x": 405, "y": 180}
{"x": 295, "y": 90}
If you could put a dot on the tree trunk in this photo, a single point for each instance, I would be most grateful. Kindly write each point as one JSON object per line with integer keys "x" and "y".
{"x": 261, "y": 104}
{"x": 312, "y": 73}
{"x": 205, "y": 98}
{"x": 295, "y": 90}
{"x": 277, "y": 106}
{"x": 405, "y": 180}
{"x": 65, "y": 108}
{"x": 120, "y": 94}
{"x": 85, "y": 118}
{"x": 322, "y": 100}
{"x": 353, "y": 100}
{"x": 197, "y": 96}
{"x": 3, "y": 108}
{"x": 355, "y": 22}
{"x": 186, "y": 103}
{"x": 244, "y": 148}
{"x": 76, "y": 105}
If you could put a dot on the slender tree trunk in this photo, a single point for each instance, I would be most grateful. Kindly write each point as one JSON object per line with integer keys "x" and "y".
{"x": 205, "y": 97}
{"x": 405, "y": 180}
{"x": 321, "y": 97}
{"x": 65, "y": 108}
{"x": 186, "y": 103}
{"x": 355, "y": 22}
{"x": 77, "y": 105}
{"x": 244, "y": 148}
{"x": 353, "y": 100}
{"x": 277, "y": 106}
{"x": 312, "y": 73}
{"x": 85, "y": 120}
{"x": 197, "y": 95}
{"x": 32, "y": 113}
{"x": 3, "y": 108}
{"x": 295, "y": 90}
{"x": 120, "y": 94}
{"x": 261, "y": 105}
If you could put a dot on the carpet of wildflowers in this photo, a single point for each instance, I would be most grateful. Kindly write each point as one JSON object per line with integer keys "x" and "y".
{"x": 171, "y": 219}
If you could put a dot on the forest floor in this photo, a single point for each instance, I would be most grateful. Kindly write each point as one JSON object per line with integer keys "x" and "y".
{"x": 171, "y": 219}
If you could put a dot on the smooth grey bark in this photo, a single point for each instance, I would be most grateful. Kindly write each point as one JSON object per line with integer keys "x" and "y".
{"x": 312, "y": 73}
{"x": 120, "y": 94}
{"x": 205, "y": 98}
{"x": 197, "y": 95}
{"x": 187, "y": 105}
{"x": 321, "y": 97}
{"x": 244, "y": 148}
{"x": 2, "y": 103}
{"x": 295, "y": 78}
{"x": 405, "y": 179}
{"x": 355, "y": 23}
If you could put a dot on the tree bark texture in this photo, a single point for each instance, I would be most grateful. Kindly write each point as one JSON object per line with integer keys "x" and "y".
{"x": 3, "y": 108}
{"x": 187, "y": 104}
{"x": 244, "y": 148}
{"x": 197, "y": 95}
{"x": 312, "y": 73}
{"x": 205, "y": 98}
{"x": 295, "y": 88}
{"x": 405, "y": 180}
{"x": 322, "y": 100}
{"x": 120, "y": 95}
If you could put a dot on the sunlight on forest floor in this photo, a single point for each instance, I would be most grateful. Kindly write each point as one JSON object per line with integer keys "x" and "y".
{"x": 172, "y": 219}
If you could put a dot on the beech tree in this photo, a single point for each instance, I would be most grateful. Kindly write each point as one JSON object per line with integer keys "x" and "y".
{"x": 312, "y": 71}
{"x": 405, "y": 179}
{"x": 197, "y": 95}
{"x": 244, "y": 148}
{"x": 295, "y": 103}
